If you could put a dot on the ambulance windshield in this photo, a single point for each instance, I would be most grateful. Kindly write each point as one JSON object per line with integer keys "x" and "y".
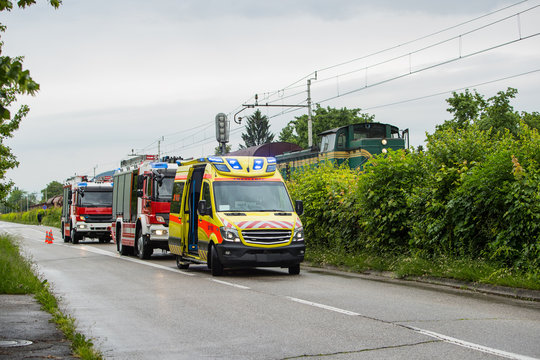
{"x": 246, "y": 196}
{"x": 96, "y": 198}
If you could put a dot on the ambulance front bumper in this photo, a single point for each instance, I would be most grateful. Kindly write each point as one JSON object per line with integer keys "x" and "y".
{"x": 240, "y": 255}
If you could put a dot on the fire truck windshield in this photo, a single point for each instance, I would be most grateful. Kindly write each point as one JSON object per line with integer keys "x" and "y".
{"x": 248, "y": 196}
{"x": 96, "y": 199}
{"x": 164, "y": 191}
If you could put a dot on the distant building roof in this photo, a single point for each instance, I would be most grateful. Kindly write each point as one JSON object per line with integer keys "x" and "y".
{"x": 270, "y": 149}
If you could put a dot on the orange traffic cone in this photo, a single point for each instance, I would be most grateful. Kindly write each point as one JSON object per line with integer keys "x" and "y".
{"x": 46, "y": 237}
{"x": 51, "y": 237}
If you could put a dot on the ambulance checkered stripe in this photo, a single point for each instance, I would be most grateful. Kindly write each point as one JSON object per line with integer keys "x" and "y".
{"x": 264, "y": 225}
{"x": 298, "y": 223}
{"x": 226, "y": 223}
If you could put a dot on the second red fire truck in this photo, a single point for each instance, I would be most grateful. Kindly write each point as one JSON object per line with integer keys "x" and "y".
{"x": 142, "y": 195}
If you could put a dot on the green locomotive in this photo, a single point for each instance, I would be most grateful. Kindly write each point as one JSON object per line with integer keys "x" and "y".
{"x": 354, "y": 143}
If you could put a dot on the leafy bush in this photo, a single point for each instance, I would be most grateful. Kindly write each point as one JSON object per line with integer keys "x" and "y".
{"x": 383, "y": 190}
{"x": 330, "y": 212}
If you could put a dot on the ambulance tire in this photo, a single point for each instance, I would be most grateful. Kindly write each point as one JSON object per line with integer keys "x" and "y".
{"x": 144, "y": 250}
{"x": 215, "y": 264}
{"x": 294, "y": 270}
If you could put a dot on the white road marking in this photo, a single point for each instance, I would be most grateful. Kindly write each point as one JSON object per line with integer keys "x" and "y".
{"x": 322, "y": 306}
{"x": 230, "y": 284}
{"x": 470, "y": 345}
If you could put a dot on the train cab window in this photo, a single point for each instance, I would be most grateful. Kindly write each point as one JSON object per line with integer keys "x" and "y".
{"x": 327, "y": 142}
{"x": 341, "y": 140}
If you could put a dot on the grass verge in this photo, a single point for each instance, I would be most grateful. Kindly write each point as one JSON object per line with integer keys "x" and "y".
{"x": 17, "y": 277}
{"x": 402, "y": 266}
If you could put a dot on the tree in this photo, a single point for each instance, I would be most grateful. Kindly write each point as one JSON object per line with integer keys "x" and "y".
{"x": 257, "y": 130}
{"x": 323, "y": 119}
{"x": 495, "y": 113}
{"x": 14, "y": 81}
{"x": 52, "y": 189}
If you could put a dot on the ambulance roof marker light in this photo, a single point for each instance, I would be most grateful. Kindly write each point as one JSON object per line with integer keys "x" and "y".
{"x": 215, "y": 159}
{"x": 271, "y": 160}
{"x": 258, "y": 164}
{"x": 234, "y": 164}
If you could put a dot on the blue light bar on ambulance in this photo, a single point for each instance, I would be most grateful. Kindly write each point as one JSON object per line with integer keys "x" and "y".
{"x": 234, "y": 164}
{"x": 159, "y": 165}
{"x": 258, "y": 164}
{"x": 215, "y": 159}
{"x": 271, "y": 160}
{"x": 82, "y": 184}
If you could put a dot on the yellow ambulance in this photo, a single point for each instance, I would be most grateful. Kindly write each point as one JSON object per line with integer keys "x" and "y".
{"x": 231, "y": 212}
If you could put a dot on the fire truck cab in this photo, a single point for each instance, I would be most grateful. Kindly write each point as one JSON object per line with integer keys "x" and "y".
{"x": 230, "y": 212}
{"x": 142, "y": 194}
{"x": 86, "y": 210}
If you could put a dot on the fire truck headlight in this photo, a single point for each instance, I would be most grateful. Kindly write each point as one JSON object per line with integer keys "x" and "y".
{"x": 160, "y": 219}
{"x": 384, "y": 142}
{"x": 159, "y": 232}
{"x": 82, "y": 218}
{"x": 298, "y": 235}
{"x": 81, "y": 226}
{"x": 229, "y": 234}
{"x": 384, "y": 151}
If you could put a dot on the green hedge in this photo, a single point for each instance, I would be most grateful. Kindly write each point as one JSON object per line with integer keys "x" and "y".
{"x": 51, "y": 217}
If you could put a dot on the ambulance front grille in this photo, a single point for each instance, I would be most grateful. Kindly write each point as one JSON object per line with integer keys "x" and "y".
{"x": 267, "y": 236}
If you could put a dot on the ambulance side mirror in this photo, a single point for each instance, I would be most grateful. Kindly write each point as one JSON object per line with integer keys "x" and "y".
{"x": 203, "y": 208}
{"x": 299, "y": 207}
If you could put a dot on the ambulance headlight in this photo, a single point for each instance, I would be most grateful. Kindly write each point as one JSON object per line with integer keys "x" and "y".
{"x": 298, "y": 235}
{"x": 229, "y": 234}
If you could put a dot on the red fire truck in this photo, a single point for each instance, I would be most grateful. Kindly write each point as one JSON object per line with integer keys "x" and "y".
{"x": 87, "y": 209}
{"x": 142, "y": 195}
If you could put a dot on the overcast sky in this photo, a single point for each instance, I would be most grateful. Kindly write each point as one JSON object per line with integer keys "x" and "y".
{"x": 120, "y": 75}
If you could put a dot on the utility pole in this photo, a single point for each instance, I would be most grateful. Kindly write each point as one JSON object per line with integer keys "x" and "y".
{"x": 159, "y": 146}
{"x": 309, "y": 121}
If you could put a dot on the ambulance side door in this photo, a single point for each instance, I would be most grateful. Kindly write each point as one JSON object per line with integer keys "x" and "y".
{"x": 175, "y": 222}
{"x": 206, "y": 222}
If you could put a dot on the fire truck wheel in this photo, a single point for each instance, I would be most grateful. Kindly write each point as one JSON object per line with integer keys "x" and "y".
{"x": 144, "y": 250}
{"x": 215, "y": 266}
{"x": 294, "y": 270}
{"x": 64, "y": 237}
{"x": 75, "y": 237}
{"x": 122, "y": 249}
{"x": 181, "y": 265}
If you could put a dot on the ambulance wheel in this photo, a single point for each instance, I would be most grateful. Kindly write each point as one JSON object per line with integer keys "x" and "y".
{"x": 215, "y": 266}
{"x": 144, "y": 251}
{"x": 181, "y": 265}
{"x": 294, "y": 270}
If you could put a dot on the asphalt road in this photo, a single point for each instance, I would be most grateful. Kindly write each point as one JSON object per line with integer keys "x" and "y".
{"x": 137, "y": 309}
